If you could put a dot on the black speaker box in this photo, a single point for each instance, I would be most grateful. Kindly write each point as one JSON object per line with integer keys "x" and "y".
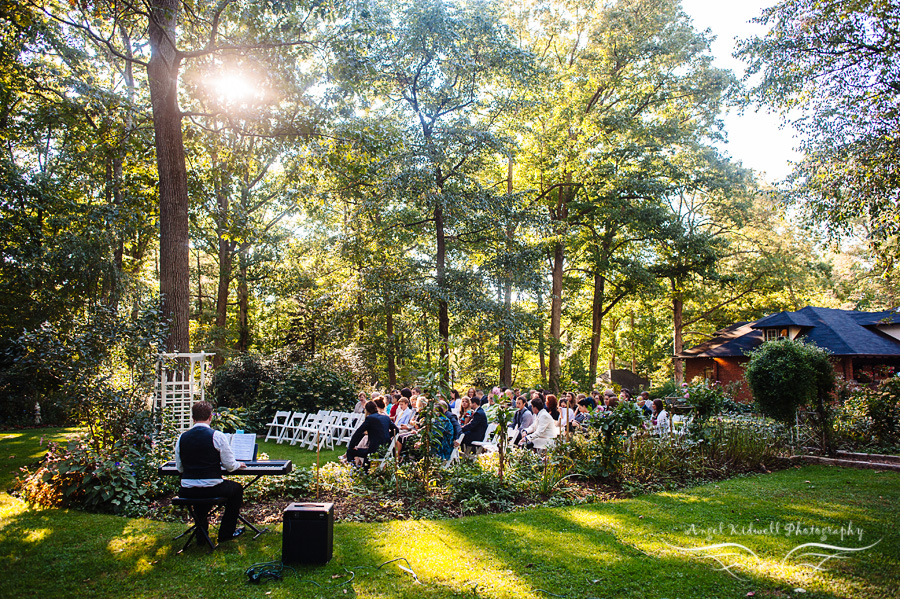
{"x": 308, "y": 533}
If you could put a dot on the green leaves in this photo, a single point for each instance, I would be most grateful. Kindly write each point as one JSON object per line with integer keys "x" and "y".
{"x": 786, "y": 374}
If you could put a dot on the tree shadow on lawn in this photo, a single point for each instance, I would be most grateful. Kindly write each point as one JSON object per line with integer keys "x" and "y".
{"x": 626, "y": 548}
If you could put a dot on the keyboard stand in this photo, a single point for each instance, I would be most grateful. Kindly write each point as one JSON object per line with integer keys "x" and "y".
{"x": 250, "y": 524}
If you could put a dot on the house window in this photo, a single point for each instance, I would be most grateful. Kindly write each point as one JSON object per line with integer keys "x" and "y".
{"x": 771, "y": 334}
{"x": 708, "y": 373}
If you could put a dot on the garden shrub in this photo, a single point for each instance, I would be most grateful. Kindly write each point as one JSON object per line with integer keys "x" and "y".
{"x": 868, "y": 419}
{"x": 787, "y": 374}
{"x": 668, "y": 388}
{"x": 276, "y": 384}
{"x": 707, "y": 399}
{"x": 742, "y": 442}
{"x": 469, "y": 480}
{"x": 597, "y": 452}
{"x": 119, "y": 478}
{"x": 237, "y": 382}
{"x": 95, "y": 370}
{"x": 662, "y": 460}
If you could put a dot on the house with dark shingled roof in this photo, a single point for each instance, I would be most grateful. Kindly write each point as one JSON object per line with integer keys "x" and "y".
{"x": 865, "y": 346}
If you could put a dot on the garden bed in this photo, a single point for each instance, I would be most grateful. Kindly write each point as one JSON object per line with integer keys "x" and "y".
{"x": 373, "y": 506}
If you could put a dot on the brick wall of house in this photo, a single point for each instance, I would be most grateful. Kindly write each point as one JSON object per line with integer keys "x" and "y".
{"x": 724, "y": 370}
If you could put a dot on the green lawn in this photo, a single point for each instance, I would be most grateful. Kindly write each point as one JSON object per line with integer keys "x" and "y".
{"x": 615, "y": 549}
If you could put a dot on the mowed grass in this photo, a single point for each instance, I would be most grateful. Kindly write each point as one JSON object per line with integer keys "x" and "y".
{"x": 617, "y": 549}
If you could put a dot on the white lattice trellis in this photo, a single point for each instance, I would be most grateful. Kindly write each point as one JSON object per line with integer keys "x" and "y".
{"x": 180, "y": 381}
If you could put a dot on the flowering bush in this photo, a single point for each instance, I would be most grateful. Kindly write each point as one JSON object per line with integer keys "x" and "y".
{"x": 707, "y": 398}
{"x": 869, "y": 419}
{"x": 119, "y": 478}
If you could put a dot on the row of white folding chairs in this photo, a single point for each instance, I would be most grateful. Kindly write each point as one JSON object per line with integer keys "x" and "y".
{"x": 313, "y": 430}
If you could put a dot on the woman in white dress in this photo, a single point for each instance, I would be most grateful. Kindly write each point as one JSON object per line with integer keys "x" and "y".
{"x": 660, "y": 418}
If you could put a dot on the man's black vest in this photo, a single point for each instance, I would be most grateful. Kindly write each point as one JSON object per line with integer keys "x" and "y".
{"x": 199, "y": 457}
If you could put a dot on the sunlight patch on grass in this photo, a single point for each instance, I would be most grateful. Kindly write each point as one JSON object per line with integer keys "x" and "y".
{"x": 36, "y": 535}
{"x": 135, "y": 542}
{"x": 441, "y": 556}
{"x": 10, "y": 507}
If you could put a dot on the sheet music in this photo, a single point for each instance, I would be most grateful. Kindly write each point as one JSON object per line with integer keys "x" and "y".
{"x": 243, "y": 445}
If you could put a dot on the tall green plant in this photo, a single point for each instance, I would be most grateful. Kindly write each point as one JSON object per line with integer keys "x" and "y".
{"x": 786, "y": 374}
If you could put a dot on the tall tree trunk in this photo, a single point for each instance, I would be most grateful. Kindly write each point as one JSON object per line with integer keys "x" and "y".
{"x": 243, "y": 343}
{"x": 560, "y": 214}
{"x": 117, "y": 170}
{"x": 391, "y": 345}
{"x": 443, "y": 308}
{"x": 506, "y": 344}
{"x": 677, "y": 320}
{"x": 556, "y": 315}
{"x": 427, "y": 337}
{"x": 633, "y": 358}
{"x": 505, "y": 341}
{"x": 596, "y": 324}
{"x": 226, "y": 265}
{"x": 174, "y": 269}
{"x": 542, "y": 351}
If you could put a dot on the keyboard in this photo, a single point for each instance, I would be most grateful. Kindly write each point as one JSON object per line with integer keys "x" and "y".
{"x": 255, "y": 468}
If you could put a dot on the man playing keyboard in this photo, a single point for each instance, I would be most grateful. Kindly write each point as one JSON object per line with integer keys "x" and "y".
{"x": 200, "y": 455}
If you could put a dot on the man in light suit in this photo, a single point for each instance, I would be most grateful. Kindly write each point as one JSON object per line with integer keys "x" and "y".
{"x": 522, "y": 419}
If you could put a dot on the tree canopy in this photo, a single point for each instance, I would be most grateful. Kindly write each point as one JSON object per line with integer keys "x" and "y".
{"x": 527, "y": 193}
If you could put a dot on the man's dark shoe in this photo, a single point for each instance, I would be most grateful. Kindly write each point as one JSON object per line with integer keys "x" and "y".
{"x": 238, "y": 532}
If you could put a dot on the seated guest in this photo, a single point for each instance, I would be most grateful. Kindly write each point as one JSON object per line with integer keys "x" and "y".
{"x": 477, "y": 428}
{"x": 465, "y": 410}
{"x": 200, "y": 454}
{"x": 404, "y": 413}
{"x": 379, "y": 429}
{"x": 566, "y": 413}
{"x": 522, "y": 419}
{"x": 380, "y": 405}
{"x": 415, "y": 424}
{"x": 395, "y": 401}
{"x": 660, "y": 418}
{"x": 590, "y": 400}
{"x": 360, "y": 406}
{"x": 443, "y": 428}
{"x": 543, "y": 430}
{"x": 645, "y": 404}
{"x": 454, "y": 397}
{"x": 552, "y": 406}
{"x": 457, "y": 427}
{"x": 490, "y": 407}
{"x": 584, "y": 411}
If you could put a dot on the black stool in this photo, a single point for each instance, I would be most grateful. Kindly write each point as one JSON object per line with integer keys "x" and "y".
{"x": 195, "y": 530}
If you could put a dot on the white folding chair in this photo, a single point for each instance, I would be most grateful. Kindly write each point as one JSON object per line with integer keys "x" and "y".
{"x": 276, "y": 427}
{"x": 293, "y": 425}
{"x": 454, "y": 457}
{"x": 489, "y": 443}
{"x": 350, "y": 427}
{"x": 300, "y": 434}
{"x": 390, "y": 455}
{"x": 325, "y": 436}
{"x": 310, "y": 430}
